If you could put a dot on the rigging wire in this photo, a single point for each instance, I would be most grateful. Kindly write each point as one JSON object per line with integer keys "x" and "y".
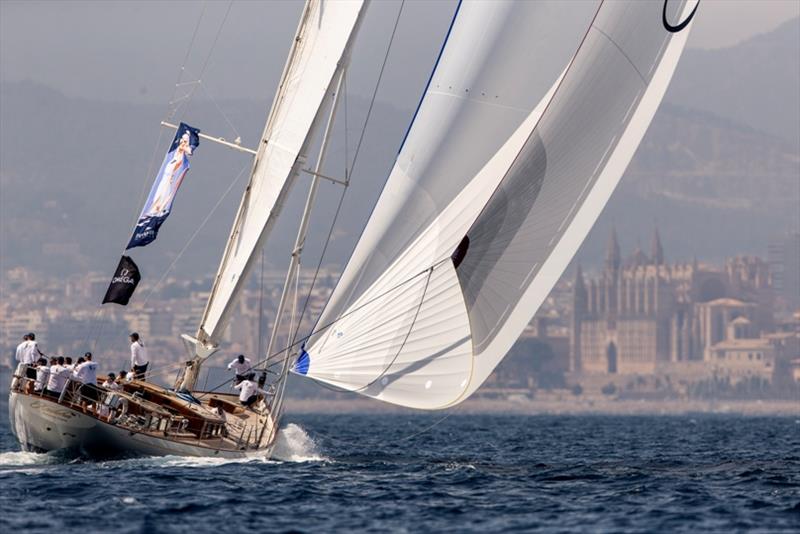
{"x": 350, "y": 173}
{"x": 343, "y": 316}
{"x": 173, "y": 106}
{"x": 194, "y": 235}
{"x": 95, "y": 329}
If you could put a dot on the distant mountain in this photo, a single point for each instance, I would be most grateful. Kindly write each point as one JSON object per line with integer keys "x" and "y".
{"x": 714, "y": 188}
{"x": 718, "y": 171}
{"x": 73, "y": 175}
{"x": 756, "y": 82}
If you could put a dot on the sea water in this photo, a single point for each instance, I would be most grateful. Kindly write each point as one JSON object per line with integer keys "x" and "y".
{"x": 419, "y": 473}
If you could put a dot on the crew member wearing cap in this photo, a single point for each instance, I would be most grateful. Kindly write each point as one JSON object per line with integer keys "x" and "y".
{"x": 242, "y": 367}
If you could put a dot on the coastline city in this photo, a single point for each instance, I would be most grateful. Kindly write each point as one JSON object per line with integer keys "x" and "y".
{"x": 639, "y": 334}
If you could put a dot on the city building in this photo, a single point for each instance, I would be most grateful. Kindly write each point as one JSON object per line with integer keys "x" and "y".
{"x": 641, "y": 314}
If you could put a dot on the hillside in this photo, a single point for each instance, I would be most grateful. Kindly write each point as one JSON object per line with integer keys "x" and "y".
{"x": 720, "y": 164}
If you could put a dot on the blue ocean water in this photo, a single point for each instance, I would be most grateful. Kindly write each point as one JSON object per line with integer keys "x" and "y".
{"x": 469, "y": 473}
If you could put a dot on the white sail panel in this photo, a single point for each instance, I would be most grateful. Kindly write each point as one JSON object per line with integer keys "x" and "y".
{"x": 499, "y": 59}
{"x": 409, "y": 332}
{"x": 545, "y": 206}
{"x": 326, "y": 29}
{"x": 537, "y": 207}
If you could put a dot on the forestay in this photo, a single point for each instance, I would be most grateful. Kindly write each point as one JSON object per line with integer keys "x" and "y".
{"x": 321, "y": 44}
{"x": 490, "y": 197}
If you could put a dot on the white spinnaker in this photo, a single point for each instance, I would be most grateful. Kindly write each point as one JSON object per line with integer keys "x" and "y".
{"x": 326, "y": 31}
{"x": 500, "y": 58}
{"x": 429, "y": 338}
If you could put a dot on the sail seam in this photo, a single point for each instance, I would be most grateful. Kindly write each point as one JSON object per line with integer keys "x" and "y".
{"x": 621, "y": 51}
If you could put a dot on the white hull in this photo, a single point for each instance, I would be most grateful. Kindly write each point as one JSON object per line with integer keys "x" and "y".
{"x": 43, "y": 426}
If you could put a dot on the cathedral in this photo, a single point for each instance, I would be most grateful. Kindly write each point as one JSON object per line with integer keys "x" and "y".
{"x": 642, "y": 312}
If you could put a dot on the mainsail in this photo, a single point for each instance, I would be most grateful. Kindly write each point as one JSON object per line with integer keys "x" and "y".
{"x": 508, "y": 163}
{"x": 320, "y": 48}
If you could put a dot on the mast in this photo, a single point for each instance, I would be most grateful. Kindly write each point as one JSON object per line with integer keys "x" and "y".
{"x": 313, "y": 69}
{"x": 302, "y": 231}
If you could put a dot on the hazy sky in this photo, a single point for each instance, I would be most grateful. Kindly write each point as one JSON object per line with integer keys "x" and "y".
{"x": 133, "y": 50}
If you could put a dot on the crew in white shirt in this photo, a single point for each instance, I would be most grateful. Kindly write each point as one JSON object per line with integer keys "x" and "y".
{"x": 42, "y": 375}
{"x": 22, "y": 351}
{"x": 85, "y": 372}
{"x": 241, "y": 366}
{"x": 32, "y": 352}
{"x": 139, "y": 361}
{"x": 111, "y": 383}
{"x": 24, "y": 355}
{"x": 249, "y": 392}
{"x": 57, "y": 380}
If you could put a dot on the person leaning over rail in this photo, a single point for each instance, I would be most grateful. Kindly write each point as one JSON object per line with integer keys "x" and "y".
{"x": 249, "y": 392}
{"x": 241, "y": 367}
{"x": 42, "y": 375}
{"x": 57, "y": 381}
{"x": 139, "y": 361}
{"x": 86, "y": 373}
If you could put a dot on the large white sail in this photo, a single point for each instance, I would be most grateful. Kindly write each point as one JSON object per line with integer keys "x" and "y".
{"x": 326, "y": 31}
{"x": 441, "y": 285}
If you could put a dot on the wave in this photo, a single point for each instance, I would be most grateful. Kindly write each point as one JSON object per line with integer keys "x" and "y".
{"x": 293, "y": 444}
{"x": 14, "y": 459}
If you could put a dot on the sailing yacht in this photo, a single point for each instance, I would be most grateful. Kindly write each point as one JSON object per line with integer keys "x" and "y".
{"x": 527, "y": 123}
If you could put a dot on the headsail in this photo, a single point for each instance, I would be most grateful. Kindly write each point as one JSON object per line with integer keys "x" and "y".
{"x": 424, "y": 313}
{"x": 320, "y": 48}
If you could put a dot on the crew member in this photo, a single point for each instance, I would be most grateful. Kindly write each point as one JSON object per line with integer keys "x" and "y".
{"x": 57, "y": 381}
{"x": 42, "y": 375}
{"x": 249, "y": 392}
{"x": 139, "y": 361}
{"x": 23, "y": 355}
{"x": 111, "y": 382}
{"x": 241, "y": 366}
{"x": 22, "y": 350}
{"x": 86, "y": 374}
{"x": 33, "y": 352}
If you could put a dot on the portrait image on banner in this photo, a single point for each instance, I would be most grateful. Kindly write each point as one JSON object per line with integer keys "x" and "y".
{"x": 162, "y": 194}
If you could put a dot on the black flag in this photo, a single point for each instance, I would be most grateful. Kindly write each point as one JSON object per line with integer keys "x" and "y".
{"x": 124, "y": 283}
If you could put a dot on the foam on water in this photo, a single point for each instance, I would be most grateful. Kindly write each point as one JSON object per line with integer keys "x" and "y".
{"x": 23, "y": 459}
{"x": 295, "y": 445}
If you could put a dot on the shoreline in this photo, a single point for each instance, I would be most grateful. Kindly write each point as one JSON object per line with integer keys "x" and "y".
{"x": 782, "y": 408}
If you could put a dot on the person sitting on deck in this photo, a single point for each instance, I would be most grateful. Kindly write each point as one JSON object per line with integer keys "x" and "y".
{"x": 241, "y": 366}
{"x": 124, "y": 376}
{"x": 139, "y": 361}
{"x": 42, "y": 375}
{"x": 111, "y": 383}
{"x": 57, "y": 381}
{"x": 68, "y": 364}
